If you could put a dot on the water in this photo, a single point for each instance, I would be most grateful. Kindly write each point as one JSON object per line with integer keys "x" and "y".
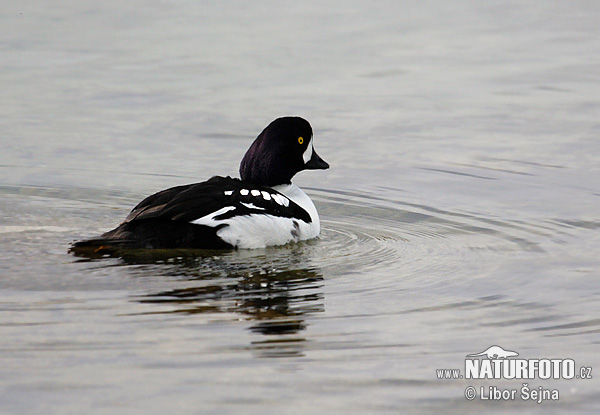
{"x": 460, "y": 212}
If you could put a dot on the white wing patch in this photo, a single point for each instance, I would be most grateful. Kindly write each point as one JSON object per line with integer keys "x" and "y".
{"x": 252, "y": 206}
{"x": 210, "y": 218}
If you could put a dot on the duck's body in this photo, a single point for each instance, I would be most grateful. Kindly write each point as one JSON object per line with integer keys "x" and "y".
{"x": 256, "y": 217}
{"x": 262, "y": 209}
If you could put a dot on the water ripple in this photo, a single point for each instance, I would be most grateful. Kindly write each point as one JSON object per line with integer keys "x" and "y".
{"x": 363, "y": 233}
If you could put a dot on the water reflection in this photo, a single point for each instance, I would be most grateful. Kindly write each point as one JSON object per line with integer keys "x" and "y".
{"x": 276, "y": 301}
{"x": 259, "y": 296}
{"x": 274, "y": 289}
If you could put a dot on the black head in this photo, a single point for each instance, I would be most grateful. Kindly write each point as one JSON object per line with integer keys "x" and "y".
{"x": 283, "y": 149}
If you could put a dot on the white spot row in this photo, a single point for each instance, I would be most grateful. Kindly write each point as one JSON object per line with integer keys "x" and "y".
{"x": 279, "y": 199}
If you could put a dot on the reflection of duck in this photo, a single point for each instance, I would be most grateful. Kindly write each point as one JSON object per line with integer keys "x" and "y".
{"x": 262, "y": 209}
{"x": 260, "y": 296}
{"x": 276, "y": 300}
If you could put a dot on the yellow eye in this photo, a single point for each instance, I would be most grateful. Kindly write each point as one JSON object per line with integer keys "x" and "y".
{"x": 300, "y": 140}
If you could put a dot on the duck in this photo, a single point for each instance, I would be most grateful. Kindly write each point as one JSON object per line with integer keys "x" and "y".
{"x": 260, "y": 209}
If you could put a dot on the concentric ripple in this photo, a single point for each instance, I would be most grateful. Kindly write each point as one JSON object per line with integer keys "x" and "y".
{"x": 361, "y": 233}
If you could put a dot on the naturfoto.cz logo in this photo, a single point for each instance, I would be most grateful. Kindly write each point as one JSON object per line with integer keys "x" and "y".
{"x": 498, "y": 363}
{"x": 499, "y": 366}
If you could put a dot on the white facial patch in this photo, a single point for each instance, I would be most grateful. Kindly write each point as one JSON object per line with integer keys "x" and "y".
{"x": 307, "y": 155}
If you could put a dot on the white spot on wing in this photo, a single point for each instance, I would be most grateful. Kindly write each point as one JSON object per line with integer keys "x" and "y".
{"x": 252, "y": 206}
{"x": 210, "y": 218}
{"x": 255, "y": 192}
{"x": 228, "y": 192}
{"x": 266, "y": 195}
{"x": 244, "y": 192}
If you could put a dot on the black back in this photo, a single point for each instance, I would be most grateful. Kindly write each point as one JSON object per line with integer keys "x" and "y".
{"x": 193, "y": 201}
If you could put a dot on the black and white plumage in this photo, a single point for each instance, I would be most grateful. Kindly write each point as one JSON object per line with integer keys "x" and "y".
{"x": 261, "y": 209}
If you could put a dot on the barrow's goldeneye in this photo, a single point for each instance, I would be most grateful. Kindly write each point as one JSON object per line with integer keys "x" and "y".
{"x": 262, "y": 209}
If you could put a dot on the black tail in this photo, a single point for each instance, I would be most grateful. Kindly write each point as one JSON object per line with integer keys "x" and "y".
{"x": 151, "y": 234}
{"x": 100, "y": 247}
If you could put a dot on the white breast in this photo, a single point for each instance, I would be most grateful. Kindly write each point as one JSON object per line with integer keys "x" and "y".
{"x": 293, "y": 192}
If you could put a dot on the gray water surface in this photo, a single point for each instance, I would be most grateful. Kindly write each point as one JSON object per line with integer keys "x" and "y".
{"x": 460, "y": 211}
